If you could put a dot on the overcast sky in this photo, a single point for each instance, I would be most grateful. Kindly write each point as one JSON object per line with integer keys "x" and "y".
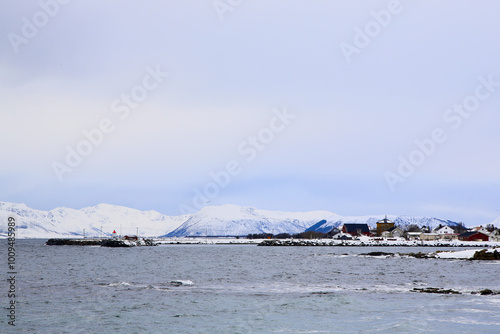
{"x": 289, "y": 105}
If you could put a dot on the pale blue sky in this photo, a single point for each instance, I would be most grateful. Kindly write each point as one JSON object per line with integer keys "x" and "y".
{"x": 353, "y": 119}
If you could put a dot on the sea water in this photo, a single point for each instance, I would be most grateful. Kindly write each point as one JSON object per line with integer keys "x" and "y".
{"x": 246, "y": 289}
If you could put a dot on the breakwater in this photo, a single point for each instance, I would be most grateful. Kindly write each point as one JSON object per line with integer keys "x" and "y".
{"x": 101, "y": 242}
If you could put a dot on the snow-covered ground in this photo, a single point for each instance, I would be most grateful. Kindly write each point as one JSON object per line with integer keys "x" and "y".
{"x": 363, "y": 241}
{"x": 206, "y": 241}
{"x": 464, "y": 254}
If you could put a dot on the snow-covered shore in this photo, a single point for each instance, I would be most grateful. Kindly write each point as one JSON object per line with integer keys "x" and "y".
{"x": 372, "y": 242}
{"x": 464, "y": 254}
{"x": 207, "y": 241}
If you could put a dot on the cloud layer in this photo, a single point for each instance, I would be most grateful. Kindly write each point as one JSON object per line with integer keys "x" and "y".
{"x": 64, "y": 64}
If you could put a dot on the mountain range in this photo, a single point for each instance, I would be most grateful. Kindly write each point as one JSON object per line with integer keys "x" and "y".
{"x": 224, "y": 220}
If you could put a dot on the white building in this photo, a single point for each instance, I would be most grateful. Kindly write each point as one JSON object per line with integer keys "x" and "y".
{"x": 495, "y": 235}
{"x": 444, "y": 230}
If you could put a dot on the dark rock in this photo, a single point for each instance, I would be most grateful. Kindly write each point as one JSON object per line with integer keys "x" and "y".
{"x": 483, "y": 255}
{"x": 436, "y": 290}
{"x": 114, "y": 243}
{"x": 487, "y": 292}
{"x": 377, "y": 254}
{"x": 149, "y": 242}
{"x": 99, "y": 242}
{"x": 420, "y": 255}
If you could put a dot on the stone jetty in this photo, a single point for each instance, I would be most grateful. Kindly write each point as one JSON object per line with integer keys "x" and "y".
{"x": 101, "y": 242}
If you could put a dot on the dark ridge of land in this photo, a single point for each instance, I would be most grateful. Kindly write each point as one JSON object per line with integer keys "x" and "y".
{"x": 484, "y": 292}
{"x": 418, "y": 255}
{"x": 99, "y": 242}
{"x": 377, "y": 254}
{"x": 114, "y": 243}
{"x": 73, "y": 242}
{"x": 437, "y": 290}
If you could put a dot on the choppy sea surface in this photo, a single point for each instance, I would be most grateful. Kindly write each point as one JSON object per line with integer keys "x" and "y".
{"x": 246, "y": 289}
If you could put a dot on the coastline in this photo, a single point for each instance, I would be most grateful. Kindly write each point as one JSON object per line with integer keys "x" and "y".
{"x": 362, "y": 242}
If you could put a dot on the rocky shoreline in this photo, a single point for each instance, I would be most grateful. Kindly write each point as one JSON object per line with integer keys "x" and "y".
{"x": 484, "y": 292}
{"x": 360, "y": 243}
{"x": 484, "y": 254}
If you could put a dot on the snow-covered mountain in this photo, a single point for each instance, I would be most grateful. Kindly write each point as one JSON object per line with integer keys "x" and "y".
{"x": 65, "y": 222}
{"x": 225, "y": 220}
{"x": 231, "y": 220}
{"x": 401, "y": 221}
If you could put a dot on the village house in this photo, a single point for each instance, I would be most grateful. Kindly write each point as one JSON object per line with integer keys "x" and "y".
{"x": 495, "y": 235}
{"x": 413, "y": 235}
{"x": 482, "y": 230}
{"x": 429, "y": 236}
{"x": 425, "y": 229}
{"x": 473, "y": 236}
{"x": 356, "y": 229}
{"x": 333, "y": 232}
{"x": 394, "y": 232}
{"x": 384, "y": 225}
{"x": 446, "y": 233}
{"x": 444, "y": 230}
{"x": 448, "y": 236}
{"x": 342, "y": 236}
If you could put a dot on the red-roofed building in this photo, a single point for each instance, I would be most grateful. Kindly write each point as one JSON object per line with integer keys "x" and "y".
{"x": 473, "y": 236}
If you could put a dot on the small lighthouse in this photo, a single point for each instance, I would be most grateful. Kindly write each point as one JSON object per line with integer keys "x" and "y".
{"x": 114, "y": 235}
